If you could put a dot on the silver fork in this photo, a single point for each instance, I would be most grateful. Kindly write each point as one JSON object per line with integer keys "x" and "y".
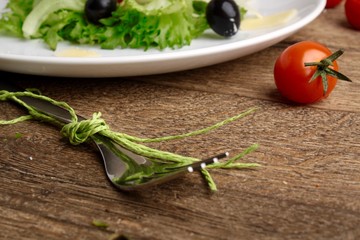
{"x": 115, "y": 167}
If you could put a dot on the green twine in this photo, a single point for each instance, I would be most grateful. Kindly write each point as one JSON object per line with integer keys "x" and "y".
{"x": 96, "y": 128}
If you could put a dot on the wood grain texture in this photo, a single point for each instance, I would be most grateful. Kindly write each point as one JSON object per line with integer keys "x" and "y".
{"x": 307, "y": 188}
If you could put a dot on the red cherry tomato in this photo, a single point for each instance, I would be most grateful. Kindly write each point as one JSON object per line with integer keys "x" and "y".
{"x": 332, "y": 3}
{"x": 352, "y": 11}
{"x": 292, "y": 76}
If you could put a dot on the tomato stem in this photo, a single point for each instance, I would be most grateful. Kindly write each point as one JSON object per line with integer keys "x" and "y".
{"x": 323, "y": 69}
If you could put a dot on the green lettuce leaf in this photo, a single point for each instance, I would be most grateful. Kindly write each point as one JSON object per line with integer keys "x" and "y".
{"x": 13, "y": 18}
{"x": 135, "y": 23}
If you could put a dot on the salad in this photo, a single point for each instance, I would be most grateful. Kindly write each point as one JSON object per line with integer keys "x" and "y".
{"x": 121, "y": 23}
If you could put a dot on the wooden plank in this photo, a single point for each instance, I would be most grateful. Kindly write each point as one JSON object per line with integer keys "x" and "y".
{"x": 307, "y": 188}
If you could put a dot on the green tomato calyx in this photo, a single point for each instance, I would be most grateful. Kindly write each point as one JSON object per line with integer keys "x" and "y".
{"x": 323, "y": 69}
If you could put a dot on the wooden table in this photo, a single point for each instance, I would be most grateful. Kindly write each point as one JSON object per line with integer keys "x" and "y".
{"x": 307, "y": 188}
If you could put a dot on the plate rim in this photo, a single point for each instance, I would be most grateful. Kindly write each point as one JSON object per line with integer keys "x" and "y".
{"x": 279, "y": 33}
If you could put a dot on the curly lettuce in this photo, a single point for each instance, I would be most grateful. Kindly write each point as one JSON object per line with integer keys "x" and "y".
{"x": 134, "y": 24}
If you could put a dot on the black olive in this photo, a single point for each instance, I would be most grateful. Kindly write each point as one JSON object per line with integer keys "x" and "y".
{"x": 98, "y": 9}
{"x": 223, "y": 16}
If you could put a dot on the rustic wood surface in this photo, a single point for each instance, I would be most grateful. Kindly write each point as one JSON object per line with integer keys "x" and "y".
{"x": 307, "y": 188}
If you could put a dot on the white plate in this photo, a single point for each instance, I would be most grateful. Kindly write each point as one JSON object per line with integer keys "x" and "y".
{"x": 33, "y": 56}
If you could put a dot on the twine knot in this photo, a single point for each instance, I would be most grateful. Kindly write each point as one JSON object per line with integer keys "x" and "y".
{"x": 79, "y": 131}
